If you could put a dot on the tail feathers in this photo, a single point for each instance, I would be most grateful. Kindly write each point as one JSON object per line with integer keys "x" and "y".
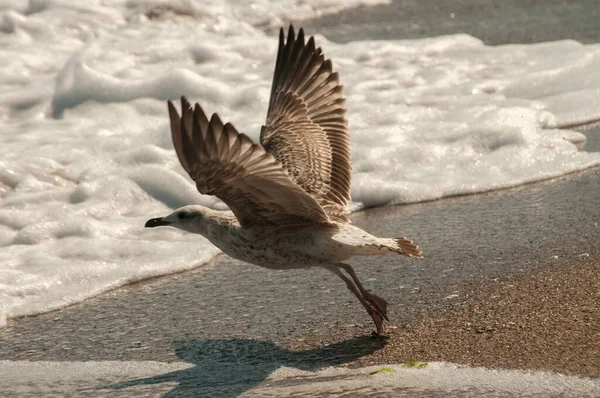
{"x": 406, "y": 247}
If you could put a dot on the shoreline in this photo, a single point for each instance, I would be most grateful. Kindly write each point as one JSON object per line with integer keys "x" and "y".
{"x": 392, "y": 207}
{"x": 550, "y": 225}
{"x": 227, "y": 316}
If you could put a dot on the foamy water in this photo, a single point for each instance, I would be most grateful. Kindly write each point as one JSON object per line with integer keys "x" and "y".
{"x": 219, "y": 378}
{"x": 86, "y": 155}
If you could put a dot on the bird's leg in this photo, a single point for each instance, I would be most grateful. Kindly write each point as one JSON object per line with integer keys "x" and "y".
{"x": 375, "y": 314}
{"x": 378, "y": 302}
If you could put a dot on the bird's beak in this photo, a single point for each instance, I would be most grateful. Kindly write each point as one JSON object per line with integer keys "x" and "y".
{"x": 156, "y": 222}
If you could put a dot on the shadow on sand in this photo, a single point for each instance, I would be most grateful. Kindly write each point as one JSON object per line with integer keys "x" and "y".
{"x": 229, "y": 367}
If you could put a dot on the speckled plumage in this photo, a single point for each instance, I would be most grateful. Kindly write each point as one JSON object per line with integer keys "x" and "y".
{"x": 287, "y": 196}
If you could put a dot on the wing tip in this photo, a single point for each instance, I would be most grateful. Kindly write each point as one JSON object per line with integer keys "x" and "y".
{"x": 185, "y": 104}
{"x": 172, "y": 110}
{"x": 215, "y": 118}
{"x": 300, "y": 37}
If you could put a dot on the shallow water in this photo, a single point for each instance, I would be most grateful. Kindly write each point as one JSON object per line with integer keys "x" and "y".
{"x": 86, "y": 156}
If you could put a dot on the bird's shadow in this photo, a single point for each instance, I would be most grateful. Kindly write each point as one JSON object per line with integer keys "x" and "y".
{"x": 229, "y": 367}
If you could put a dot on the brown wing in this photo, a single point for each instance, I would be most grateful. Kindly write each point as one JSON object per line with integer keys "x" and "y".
{"x": 242, "y": 174}
{"x": 306, "y": 130}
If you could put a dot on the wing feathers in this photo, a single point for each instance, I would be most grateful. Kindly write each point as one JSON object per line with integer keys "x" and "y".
{"x": 304, "y": 166}
{"x": 249, "y": 180}
{"x": 177, "y": 141}
{"x": 306, "y": 130}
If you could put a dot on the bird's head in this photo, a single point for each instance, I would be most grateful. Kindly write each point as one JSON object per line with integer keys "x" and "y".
{"x": 187, "y": 218}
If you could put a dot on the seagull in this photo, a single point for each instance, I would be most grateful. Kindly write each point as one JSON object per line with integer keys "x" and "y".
{"x": 288, "y": 195}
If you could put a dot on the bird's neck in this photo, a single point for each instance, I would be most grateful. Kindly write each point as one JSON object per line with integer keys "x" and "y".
{"x": 219, "y": 226}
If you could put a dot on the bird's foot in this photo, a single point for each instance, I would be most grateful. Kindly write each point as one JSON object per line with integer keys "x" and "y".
{"x": 380, "y": 304}
{"x": 378, "y": 320}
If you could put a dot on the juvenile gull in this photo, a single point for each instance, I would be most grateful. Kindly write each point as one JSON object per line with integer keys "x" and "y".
{"x": 288, "y": 194}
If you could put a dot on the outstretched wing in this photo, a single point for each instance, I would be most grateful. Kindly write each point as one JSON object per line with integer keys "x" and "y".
{"x": 306, "y": 130}
{"x": 242, "y": 174}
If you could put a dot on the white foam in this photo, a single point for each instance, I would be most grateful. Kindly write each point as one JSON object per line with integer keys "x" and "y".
{"x": 101, "y": 378}
{"x": 86, "y": 155}
{"x": 435, "y": 379}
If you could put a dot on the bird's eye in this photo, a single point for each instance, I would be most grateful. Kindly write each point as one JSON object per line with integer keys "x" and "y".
{"x": 181, "y": 215}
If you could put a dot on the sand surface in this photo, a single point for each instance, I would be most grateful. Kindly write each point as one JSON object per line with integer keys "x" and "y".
{"x": 546, "y": 320}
